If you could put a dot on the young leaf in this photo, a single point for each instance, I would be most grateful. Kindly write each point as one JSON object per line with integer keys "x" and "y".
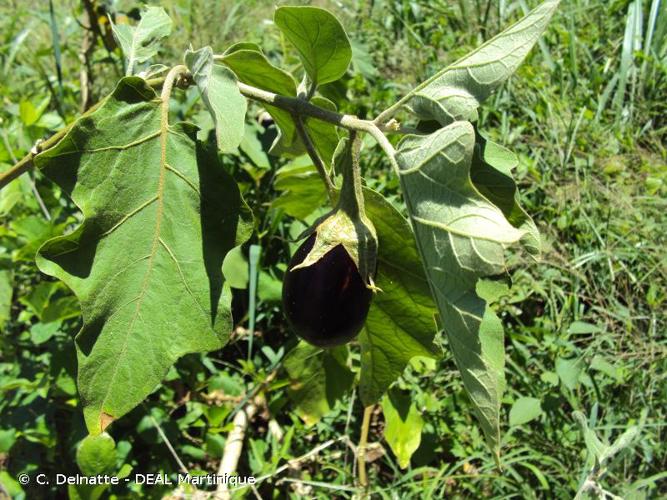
{"x": 253, "y": 68}
{"x": 141, "y": 42}
{"x": 160, "y": 214}
{"x": 404, "y": 423}
{"x": 321, "y": 41}
{"x": 221, "y": 96}
{"x": 456, "y": 92}
{"x": 461, "y": 237}
{"x": 400, "y": 323}
{"x": 318, "y": 377}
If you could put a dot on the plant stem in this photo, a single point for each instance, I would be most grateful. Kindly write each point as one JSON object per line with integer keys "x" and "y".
{"x": 361, "y": 449}
{"x": 299, "y": 107}
{"x": 317, "y": 161}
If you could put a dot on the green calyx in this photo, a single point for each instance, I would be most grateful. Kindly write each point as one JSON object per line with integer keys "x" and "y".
{"x": 347, "y": 224}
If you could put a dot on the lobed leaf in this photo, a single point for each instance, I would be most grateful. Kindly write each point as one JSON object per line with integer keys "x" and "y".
{"x": 323, "y": 45}
{"x": 160, "y": 214}
{"x": 220, "y": 93}
{"x": 461, "y": 238}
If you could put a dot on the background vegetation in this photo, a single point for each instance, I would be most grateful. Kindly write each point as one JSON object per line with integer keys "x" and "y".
{"x": 585, "y": 325}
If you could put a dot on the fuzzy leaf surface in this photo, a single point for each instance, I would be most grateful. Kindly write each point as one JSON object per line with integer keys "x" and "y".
{"x": 456, "y": 92}
{"x": 146, "y": 261}
{"x": 141, "y": 42}
{"x": 221, "y": 95}
{"x": 491, "y": 173}
{"x": 461, "y": 237}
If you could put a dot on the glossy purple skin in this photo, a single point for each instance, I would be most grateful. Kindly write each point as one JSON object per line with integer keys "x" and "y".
{"x": 326, "y": 304}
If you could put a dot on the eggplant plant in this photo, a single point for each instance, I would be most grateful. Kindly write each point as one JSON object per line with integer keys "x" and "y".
{"x": 160, "y": 214}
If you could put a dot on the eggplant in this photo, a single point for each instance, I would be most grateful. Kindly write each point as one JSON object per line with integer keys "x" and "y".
{"x": 326, "y": 303}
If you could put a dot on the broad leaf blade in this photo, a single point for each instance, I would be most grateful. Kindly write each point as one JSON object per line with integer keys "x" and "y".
{"x": 141, "y": 42}
{"x": 221, "y": 96}
{"x": 146, "y": 262}
{"x": 456, "y": 92}
{"x": 321, "y": 41}
{"x": 461, "y": 237}
{"x": 318, "y": 377}
{"x": 400, "y": 323}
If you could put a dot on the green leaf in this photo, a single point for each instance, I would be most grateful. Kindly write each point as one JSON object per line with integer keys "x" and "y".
{"x": 404, "y": 423}
{"x": 253, "y": 68}
{"x": 221, "y": 95}
{"x": 318, "y": 377}
{"x": 13, "y": 193}
{"x": 97, "y": 455}
{"x": 524, "y": 410}
{"x": 569, "y": 371}
{"x": 43, "y": 332}
{"x": 362, "y": 61}
{"x": 323, "y": 134}
{"x": 11, "y": 485}
{"x": 321, "y": 41}
{"x": 596, "y": 448}
{"x": 253, "y": 149}
{"x": 235, "y": 269}
{"x": 491, "y": 173}
{"x": 7, "y": 439}
{"x": 146, "y": 261}
{"x": 456, "y": 92}
{"x": 301, "y": 188}
{"x": 461, "y": 238}
{"x": 400, "y": 324}
{"x": 141, "y": 42}
{"x": 6, "y": 291}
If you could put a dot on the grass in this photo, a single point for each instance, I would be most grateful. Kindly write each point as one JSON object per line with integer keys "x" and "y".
{"x": 585, "y": 325}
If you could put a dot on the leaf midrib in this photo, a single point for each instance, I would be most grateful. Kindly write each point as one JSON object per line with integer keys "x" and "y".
{"x": 164, "y": 132}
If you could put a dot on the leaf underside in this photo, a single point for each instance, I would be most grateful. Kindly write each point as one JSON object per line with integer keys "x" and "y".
{"x": 146, "y": 261}
{"x": 463, "y": 207}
